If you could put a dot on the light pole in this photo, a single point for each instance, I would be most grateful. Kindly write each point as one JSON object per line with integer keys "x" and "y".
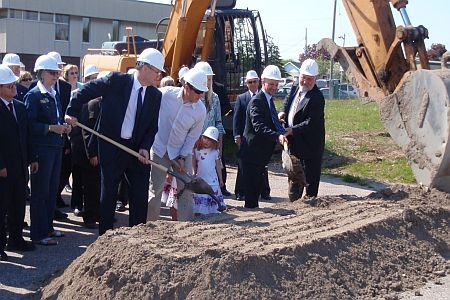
{"x": 332, "y": 60}
{"x": 343, "y": 39}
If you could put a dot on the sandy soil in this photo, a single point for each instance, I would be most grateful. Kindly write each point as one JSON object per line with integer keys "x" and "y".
{"x": 335, "y": 247}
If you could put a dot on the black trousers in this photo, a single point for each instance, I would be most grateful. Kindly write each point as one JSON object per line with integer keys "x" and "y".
{"x": 88, "y": 190}
{"x": 13, "y": 193}
{"x": 138, "y": 176}
{"x": 239, "y": 187}
{"x": 253, "y": 178}
{"x": 66, "y": 169}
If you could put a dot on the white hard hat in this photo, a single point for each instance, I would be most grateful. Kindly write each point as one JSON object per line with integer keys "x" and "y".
{"x": 251, "y": 75}
{"x": 205, "y": 67}
{"x": 90, "y": 70}
{"x": 11, "y": 59}
{"x": 153, "y": 57}
{"x": 197, "y": 78}
{"x": 57, "y": 57}
{"x": 6, "y": 75}
{"x": 103, "y": 74}
{"x": 182, "y": 72}
{"x": 271, "y": 72}
{"x": 212, "y": 133}
{"x": 309, "y": 67}
{"x": 46, "y": 62}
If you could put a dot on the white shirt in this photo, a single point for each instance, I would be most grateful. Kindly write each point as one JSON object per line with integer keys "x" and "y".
{"x": 179, "y": 124}
{"x": 295, "y": 105}
{"x": 130, "y": 115}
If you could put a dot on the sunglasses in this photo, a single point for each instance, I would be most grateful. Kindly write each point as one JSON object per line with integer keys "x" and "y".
{"x": 51, "y": 72}
{"x": 194, "y": 89}
{"x": 9, "y": 86}
{"x": 73, "y": 73}
{"x": 26, "y": 79}
{"x": 252, "y": 81}
{"x": 92, "y": 77}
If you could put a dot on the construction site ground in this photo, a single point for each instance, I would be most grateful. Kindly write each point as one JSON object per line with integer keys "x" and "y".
{"x": 352, "y": 242}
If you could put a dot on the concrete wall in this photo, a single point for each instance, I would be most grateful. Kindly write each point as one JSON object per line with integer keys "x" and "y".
{"x": 33, "y": 38}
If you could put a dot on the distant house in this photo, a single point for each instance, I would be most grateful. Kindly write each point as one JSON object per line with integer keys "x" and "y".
{"x": 292, "y": 68}
{"x": 32, "y": 28}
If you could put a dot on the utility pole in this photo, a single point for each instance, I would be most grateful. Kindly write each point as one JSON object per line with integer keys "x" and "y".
{"x": 306, "y": 38}
{"x": 332, "y": 60}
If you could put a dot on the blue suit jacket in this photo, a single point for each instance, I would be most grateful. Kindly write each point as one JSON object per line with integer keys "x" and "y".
{"x": 260, "y": 135}
{"x": 115, "y": 90}
{"x": 240, "y": 109}
{"x": 16, "y": 150}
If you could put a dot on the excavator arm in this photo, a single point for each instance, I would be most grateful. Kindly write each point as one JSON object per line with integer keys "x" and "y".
{"x": 414, "y": 104}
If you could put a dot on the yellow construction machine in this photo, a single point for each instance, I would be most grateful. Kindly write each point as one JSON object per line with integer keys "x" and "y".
{"x": 413, "y": 100}
{"x": 231, "y": 40}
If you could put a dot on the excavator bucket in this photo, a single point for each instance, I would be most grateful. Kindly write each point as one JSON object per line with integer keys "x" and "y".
{"x": 417, "y": 115}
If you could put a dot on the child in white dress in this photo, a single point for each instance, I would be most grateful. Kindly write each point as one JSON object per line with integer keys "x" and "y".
{"x": 207, "y": 165}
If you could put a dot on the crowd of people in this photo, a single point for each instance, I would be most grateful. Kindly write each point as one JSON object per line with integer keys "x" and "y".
{"x": 56, "y": 128}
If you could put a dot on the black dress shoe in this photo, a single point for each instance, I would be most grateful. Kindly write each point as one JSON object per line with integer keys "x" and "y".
{"x": 3, "y": 256}
{"x": 225, "y": 192}
{"x": 240, "y": 197}
{"x": 120, "y": 207}
{"x": 21, "y": 246}
{"x": 266, "y": 197}
{"x": 59, "y": 215}
{"x": 90, "y": 224}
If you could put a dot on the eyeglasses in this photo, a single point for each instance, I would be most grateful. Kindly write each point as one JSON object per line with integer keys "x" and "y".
{"x": 9, "y": 86}
{"x": 252, "y": 81}
{"x": 194, "y": 89}
{"x": 51, "y": 72}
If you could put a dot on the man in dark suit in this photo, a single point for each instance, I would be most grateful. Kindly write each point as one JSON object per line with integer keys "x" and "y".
{"x": 129, "y": 115}
{"x": 12, "y": 60}
{"x": 303, "y": 112}
{"x": 262, "y": 131}
{"x": 240, "y": 108}
{"x": 15, "y": 155}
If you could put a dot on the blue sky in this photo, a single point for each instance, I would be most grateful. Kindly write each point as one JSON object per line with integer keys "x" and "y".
{"x": 286, "y": 21}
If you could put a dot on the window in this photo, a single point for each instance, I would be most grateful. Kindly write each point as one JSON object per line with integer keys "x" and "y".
{"x": 30, "y": 15}
{"x": 3, "y": 13}
{"x": 61, "y": 27}
{"x": 115, "y": 35}
{"x": 86, "y": 29}
{"x": 46, "y": 17}
{"x": 15, "y": 14}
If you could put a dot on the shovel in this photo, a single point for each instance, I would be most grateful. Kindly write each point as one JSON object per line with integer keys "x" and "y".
{"x": 293, "y": 166}
{"x": 194, "y": 184}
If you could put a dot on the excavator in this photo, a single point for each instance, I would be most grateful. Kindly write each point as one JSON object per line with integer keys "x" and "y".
{"x": 413, "y": 100}
{"x": 231, "y": 40}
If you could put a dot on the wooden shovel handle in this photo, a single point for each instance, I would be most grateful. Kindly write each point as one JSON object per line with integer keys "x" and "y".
{"x": 124, "y": 148}
{"x": 285, "y": 146}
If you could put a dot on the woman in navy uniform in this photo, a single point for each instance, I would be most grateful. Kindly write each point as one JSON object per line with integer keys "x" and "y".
{"x": 46, "y": 119}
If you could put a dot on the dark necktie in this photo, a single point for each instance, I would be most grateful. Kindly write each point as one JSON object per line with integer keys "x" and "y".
{"x": 138, "y": 111}
{"x": 279, "y": 128}
{"x": 11, "y": 109}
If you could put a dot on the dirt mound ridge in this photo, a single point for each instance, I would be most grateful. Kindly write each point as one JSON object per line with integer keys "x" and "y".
{"x": 337, "y": 247}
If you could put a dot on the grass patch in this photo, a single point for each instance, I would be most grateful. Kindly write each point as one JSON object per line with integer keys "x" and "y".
{"x": 358, "y": 148}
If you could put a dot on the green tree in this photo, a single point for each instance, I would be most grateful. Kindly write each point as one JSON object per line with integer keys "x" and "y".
{"x": 274, "y": 57}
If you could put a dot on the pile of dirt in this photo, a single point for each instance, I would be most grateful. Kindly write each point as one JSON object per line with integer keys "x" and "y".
{"x": 334, "y": 247}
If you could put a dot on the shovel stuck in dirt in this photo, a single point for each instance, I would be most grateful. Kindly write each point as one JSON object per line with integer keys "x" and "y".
{"x": 194, "y": 184}
{"x": 293, "y": 166}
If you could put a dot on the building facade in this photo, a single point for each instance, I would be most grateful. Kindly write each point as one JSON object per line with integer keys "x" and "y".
{"x": 34, "y": 27}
